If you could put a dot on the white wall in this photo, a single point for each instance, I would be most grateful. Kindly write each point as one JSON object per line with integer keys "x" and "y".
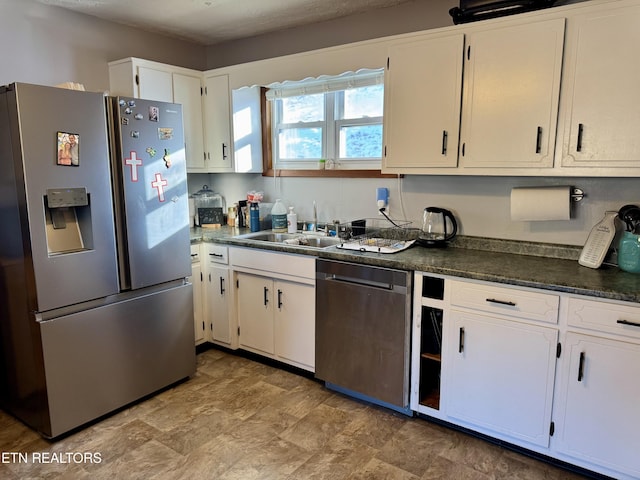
{"x": 49, "y": 45}
{"x": 481, "y": 204}
{"x": 410, "y": 16}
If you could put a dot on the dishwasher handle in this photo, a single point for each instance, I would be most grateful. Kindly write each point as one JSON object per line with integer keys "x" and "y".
{"x": 359, "y": 281}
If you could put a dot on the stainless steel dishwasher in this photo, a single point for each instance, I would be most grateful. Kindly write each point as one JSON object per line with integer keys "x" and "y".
{"x": 363, "y": 325}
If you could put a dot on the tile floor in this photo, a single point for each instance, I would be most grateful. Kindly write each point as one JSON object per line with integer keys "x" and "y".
{"x": 238, "y": 419}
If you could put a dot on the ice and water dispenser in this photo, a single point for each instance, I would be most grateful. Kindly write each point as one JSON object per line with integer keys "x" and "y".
{"x": 68, "y": 220}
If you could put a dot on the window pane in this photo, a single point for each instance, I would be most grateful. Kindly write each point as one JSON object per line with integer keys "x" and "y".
{"x": 295, "y": 143}
{"x": 364, "y": 102}
{"x": 304, "y": 108}
{"x": 361, "y": 141}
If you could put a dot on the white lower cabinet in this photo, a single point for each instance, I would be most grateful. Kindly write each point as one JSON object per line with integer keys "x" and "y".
{"x": 598, "y": 416}
{"x": 295, "y": 323}
{"x": 501, "y": 375}
{"x": 596, "y": 408}
{"x": 212, "y": 296}
{"x": 218, "y": 303}
{"x": 261, "y": 301}
{"x": 275, "y": 305}
{"x": 274, "y": 318}
{"x": 501, "y": 366}
{"x": 554, "y": 373}
{"x": 255, "y": 312}
{"x": 197, "y": 280}
{"x": 218, "y": 296}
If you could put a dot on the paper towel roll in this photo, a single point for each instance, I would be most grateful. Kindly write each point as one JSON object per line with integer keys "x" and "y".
{"x": 540, "y": 203}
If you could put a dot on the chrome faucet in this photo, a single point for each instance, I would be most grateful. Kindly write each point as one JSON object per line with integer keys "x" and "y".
{"x": 336, "y": 225}
{"x": 315, "y": 217}
{"x": 327, "y": 228}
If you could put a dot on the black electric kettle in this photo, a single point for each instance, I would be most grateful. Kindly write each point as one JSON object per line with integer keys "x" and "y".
{"x": 438, "y": 227}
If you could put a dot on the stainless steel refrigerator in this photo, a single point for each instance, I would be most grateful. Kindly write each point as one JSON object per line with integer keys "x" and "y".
{"x": 95, "y": 307}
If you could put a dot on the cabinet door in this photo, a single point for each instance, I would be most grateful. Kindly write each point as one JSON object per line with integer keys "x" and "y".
{"x": 598, "y": 415}
{"x": 217, "y": 124}
{"x": 187, "y": 91}
{"x": 255, "y": 312}
{"x": 295, "y": 323}
{"x": 511, "y": 92}
{"x": 155, "y": 84}
{"x": 198, "y": 313}
{"x": 218, "y": 303}
{"x": 247, "y": 129}
{"x": 500, "y": 376}
{"x": 601, "y": 90}
{"x": 422, "y": 103}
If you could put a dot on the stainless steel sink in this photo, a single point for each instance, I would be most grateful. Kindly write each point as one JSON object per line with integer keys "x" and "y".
{"x": 302, "y": 239}
{"x": 321, "y": 242}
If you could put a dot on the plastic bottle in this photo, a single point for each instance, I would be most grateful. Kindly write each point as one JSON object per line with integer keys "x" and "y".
{"x": 629, "y": 252}
{"x": 279, "y": 217}
{"x": 292, "y": 221}
{"x": 254, "y": 217}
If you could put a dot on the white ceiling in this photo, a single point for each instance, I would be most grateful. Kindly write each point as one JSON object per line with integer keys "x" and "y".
{"x": 214, "y": 21}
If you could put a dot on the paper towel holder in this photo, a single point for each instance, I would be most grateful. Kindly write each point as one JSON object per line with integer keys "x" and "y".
{"x": 577, "y": 194}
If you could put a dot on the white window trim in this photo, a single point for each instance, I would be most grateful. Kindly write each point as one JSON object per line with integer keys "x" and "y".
{"x": 327, "y": 85}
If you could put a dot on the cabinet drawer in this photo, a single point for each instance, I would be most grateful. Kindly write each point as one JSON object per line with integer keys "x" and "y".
{"x": 195, "y": 253}
{"x": 542, "y": 307}
{"x": 217, "y": 254}
{"x": 274, "y": 263}
{"x": 608, "y": 317}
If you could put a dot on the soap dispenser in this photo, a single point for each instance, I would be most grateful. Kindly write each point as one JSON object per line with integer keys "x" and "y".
{"x": 292, "y": 221}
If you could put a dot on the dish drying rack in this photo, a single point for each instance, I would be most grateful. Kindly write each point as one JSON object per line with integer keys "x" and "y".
{"x": 377, "y": 235}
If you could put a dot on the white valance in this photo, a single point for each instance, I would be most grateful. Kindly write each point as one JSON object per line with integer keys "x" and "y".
{"x": 325, "y": 83}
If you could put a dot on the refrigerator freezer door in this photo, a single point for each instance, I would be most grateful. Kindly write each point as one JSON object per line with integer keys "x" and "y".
{"x": 79, "y": 251}
{"x": 153, "y": 191}
{"x": 101, "y": 359}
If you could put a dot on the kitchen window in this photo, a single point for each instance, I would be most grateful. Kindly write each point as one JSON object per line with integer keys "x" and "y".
{"x": 335, "y": 121}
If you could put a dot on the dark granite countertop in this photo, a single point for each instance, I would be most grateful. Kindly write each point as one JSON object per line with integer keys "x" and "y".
{"x": 544, "y": 266}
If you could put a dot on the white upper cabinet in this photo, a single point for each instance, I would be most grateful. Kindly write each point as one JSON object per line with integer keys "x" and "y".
{"x": 600, "y": 114}
{"x": 154, "y": 84}
{"x": 422, "y": 104}
{"x": 510, "y": 95}
{"x": 502, "y": 109}
{"x": 187, "y": 90}
{"x": 217, "y": 124}
{"x": 247, "y": 129}
{"x": 134, "y": 77}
